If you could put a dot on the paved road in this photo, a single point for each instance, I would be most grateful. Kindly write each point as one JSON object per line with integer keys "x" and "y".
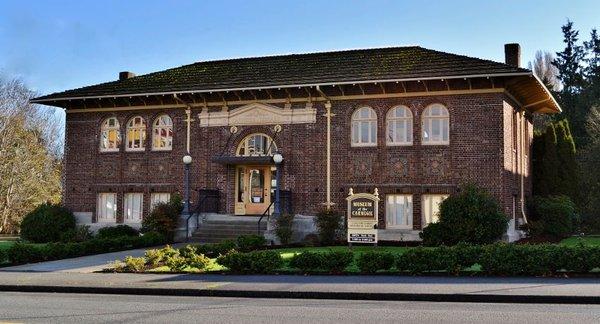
{"x": 73, "y": 308}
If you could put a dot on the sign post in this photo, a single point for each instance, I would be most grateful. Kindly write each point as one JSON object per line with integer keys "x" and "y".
{"x": 362, "y": 217}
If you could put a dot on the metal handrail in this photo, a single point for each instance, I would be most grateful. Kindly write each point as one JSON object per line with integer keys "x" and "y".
{"x": 196, "y": 213}
{"x": 267, "y": 211}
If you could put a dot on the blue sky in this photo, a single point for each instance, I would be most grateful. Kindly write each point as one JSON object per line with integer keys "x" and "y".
{"x": 58, "y": 45}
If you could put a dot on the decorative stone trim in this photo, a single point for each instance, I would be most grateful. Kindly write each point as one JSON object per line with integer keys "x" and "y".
{"x": 258, "y": 114}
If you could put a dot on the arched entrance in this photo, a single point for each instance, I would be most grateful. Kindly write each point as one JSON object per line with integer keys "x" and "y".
{"x": 255, "y": 181}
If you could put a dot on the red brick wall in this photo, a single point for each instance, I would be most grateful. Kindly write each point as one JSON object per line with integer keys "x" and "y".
{"x": 479, "y": 138}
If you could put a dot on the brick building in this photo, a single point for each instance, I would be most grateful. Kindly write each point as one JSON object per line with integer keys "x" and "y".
{"x": 414, "y": 123}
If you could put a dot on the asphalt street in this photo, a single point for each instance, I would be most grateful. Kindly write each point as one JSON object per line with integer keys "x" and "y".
{"x": 79, "y": 308}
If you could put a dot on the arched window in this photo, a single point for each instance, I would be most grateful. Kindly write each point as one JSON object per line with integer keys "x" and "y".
{"x": 136, "y": 134}
{"x": 162, "y": 133}
{"x": 436, "y": 128}
{"x": 257, "y": 145}
{"x": 399, "y": 126}
{"x": 110, "y": 135}
{"x": 364, "y": 127}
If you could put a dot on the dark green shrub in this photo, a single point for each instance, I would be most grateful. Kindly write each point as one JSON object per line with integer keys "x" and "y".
{"x": 471, "y": 216}
{"x": 21, "y": 253}
{"x": 47, "y": 223}
{"x": 117, "y": 231}
{"x": 308, "y": 261}
{"x": 3, "y": 256}
{"x": 373, "y": 261}
{"x": 247, "y": 243}
{"x": 329, "y": 224}
{"x": 163, "y": 218}
{"x": 283, "y": 228}
{"x": 252, "y": 262}
{"x": 553, "y": 217}
{"x": 213, "y": 250}
{"x": 331, "y": 261}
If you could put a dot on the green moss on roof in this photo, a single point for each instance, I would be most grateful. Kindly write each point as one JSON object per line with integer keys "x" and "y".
{"x": 297, "y": 69}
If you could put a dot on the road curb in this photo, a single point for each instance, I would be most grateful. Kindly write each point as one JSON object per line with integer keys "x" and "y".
{"x": 454, "y": 298}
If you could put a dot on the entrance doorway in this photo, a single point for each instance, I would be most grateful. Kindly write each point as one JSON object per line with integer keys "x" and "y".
{"x": 253, "y": 189}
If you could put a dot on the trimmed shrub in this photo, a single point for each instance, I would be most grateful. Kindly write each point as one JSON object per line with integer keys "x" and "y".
{"x": 3, "y": 256}
{"x": 214, "y": 250}
{"x": 471, "y": 216}
{"x": 47, "y": 223}
{"x": 373, "y": 261}
{"x": 283, "y": 228}
{"x": 553, "y": 217}
{"x": 163, "y": 218}
{"x": 135, "y": 264}
{"x": 452, "y": 260}
{"x": 21, "y": 253}
{"x": 308, "y": 261}
{"x": 331, "y": 261}
{"x": 252, "y": 262}
{"x": 117, "y": 231}
{"x": 329, "y": 225}
{"x": 247, "y": 243}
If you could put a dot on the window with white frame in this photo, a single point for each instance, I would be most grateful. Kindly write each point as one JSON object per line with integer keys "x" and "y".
{"x": 399, "y": 126}
{"x": 106, "y": 208}
{"x": 110, "y": 135}
{"x": 136, "y": 134}
{"x": 159, "y": 198}
{"x": 132, "y": 207}
{"x": 436, "y": 125}
{"x": 430, "y": 207}
{"x": 257, "y": 145}
{"x": 398, "y": 211}
{"x": 162, "y": 133}
{"x": 364, "y": 127}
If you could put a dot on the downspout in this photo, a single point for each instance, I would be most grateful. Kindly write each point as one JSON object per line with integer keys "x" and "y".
{"x": 328, "y": 115}
{"x": 522, "y": 163}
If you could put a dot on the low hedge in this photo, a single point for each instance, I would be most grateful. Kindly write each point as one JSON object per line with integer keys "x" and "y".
{"x": 252, "y": 262}
{"x": 117, "y": 231}
{"x": 3, "y": 256}
{"x": 21, "y": 253}
{"x": 331, "y": 261}
{"x": 373, "y": 261}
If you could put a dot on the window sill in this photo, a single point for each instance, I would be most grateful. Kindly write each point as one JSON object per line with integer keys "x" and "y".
{"x": 110, "y": 151}
{"x": 363, "y": 145}
{"x": 399, "y": 144}
{"x": 161, "y": 150}
{"x": 436, "y": 144}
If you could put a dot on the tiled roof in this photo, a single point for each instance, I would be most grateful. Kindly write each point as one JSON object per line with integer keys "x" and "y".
{"x": 391, "y": 63}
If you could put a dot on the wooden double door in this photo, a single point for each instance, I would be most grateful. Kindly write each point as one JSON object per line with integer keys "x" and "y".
{"x": 253, "y": 188}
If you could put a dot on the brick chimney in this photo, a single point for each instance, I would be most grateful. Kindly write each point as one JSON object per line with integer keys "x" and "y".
{"x": 126, "y": 75}
{"x": 512, "y": 54}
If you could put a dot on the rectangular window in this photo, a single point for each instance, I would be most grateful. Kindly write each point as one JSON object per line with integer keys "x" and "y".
{"x": 132, "y": 207}
{"x": 431, "y": 207}
{"x": 106, "y": 209}
{"x": 398, "y": 211}
{"x": 159, "y": 197}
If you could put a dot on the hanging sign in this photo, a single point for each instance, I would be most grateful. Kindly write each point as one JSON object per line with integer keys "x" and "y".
{"x": 362, "y": 217}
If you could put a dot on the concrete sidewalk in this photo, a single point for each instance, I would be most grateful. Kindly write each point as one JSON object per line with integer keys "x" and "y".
{"x": 461, "y": 289}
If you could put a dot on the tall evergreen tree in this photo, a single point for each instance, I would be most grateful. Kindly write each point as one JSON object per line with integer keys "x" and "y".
{"x": 592, "y": 70}
{"x": 550, "y": 164}
{"x": 570, "y": 73}
{"x": 568, "y": 173}
{"x": 537, "y": 160}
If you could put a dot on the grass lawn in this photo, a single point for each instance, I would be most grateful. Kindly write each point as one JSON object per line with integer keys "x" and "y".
{"x": 593, "y": 240}
{"x": 5, "y": 245}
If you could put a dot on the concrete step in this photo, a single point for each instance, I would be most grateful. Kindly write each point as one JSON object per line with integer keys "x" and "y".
{"x": 218, "y": 228}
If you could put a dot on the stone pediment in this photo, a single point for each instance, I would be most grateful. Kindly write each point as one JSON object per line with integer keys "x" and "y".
{"x": 258, "y": 114}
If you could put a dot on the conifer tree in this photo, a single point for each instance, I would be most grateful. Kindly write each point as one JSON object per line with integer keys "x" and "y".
{"x": 550, "y": 180}
{"x": 537, "y": 162}
{"x": 568, "y": 170}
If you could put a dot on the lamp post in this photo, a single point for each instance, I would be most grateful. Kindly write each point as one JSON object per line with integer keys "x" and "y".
{"x": 187, "y": 160}
{"x": 277, "y": 158}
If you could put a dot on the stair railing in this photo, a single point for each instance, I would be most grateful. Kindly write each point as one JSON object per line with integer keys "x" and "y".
{"x": 196, "y": 212}
{"x": 267, "y": 213}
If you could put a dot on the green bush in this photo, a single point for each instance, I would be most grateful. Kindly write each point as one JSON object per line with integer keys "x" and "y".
{"x": 117, "y": 231}
{"x": 452, "y": 260}
{"x": 247, "y": 243}
{"x": 163, "y": 218}
{"x": 252, "y": 262}
{"x": 3, "y": 256}
{"x": 47, "y": 223}
{"x": 553, "y": 217}
{"x": 471, "y": 216}
{"x": 283, "y": 228}
{"x": 331, "y": 261}
{"x": 329, "y": 225}
{"x": 21, "y": 253}
{"x": 135, "y": 264}
{"x": 213, "y": 250}
{"x": 373, "y": 261}
{"x": 308, "y": 261}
